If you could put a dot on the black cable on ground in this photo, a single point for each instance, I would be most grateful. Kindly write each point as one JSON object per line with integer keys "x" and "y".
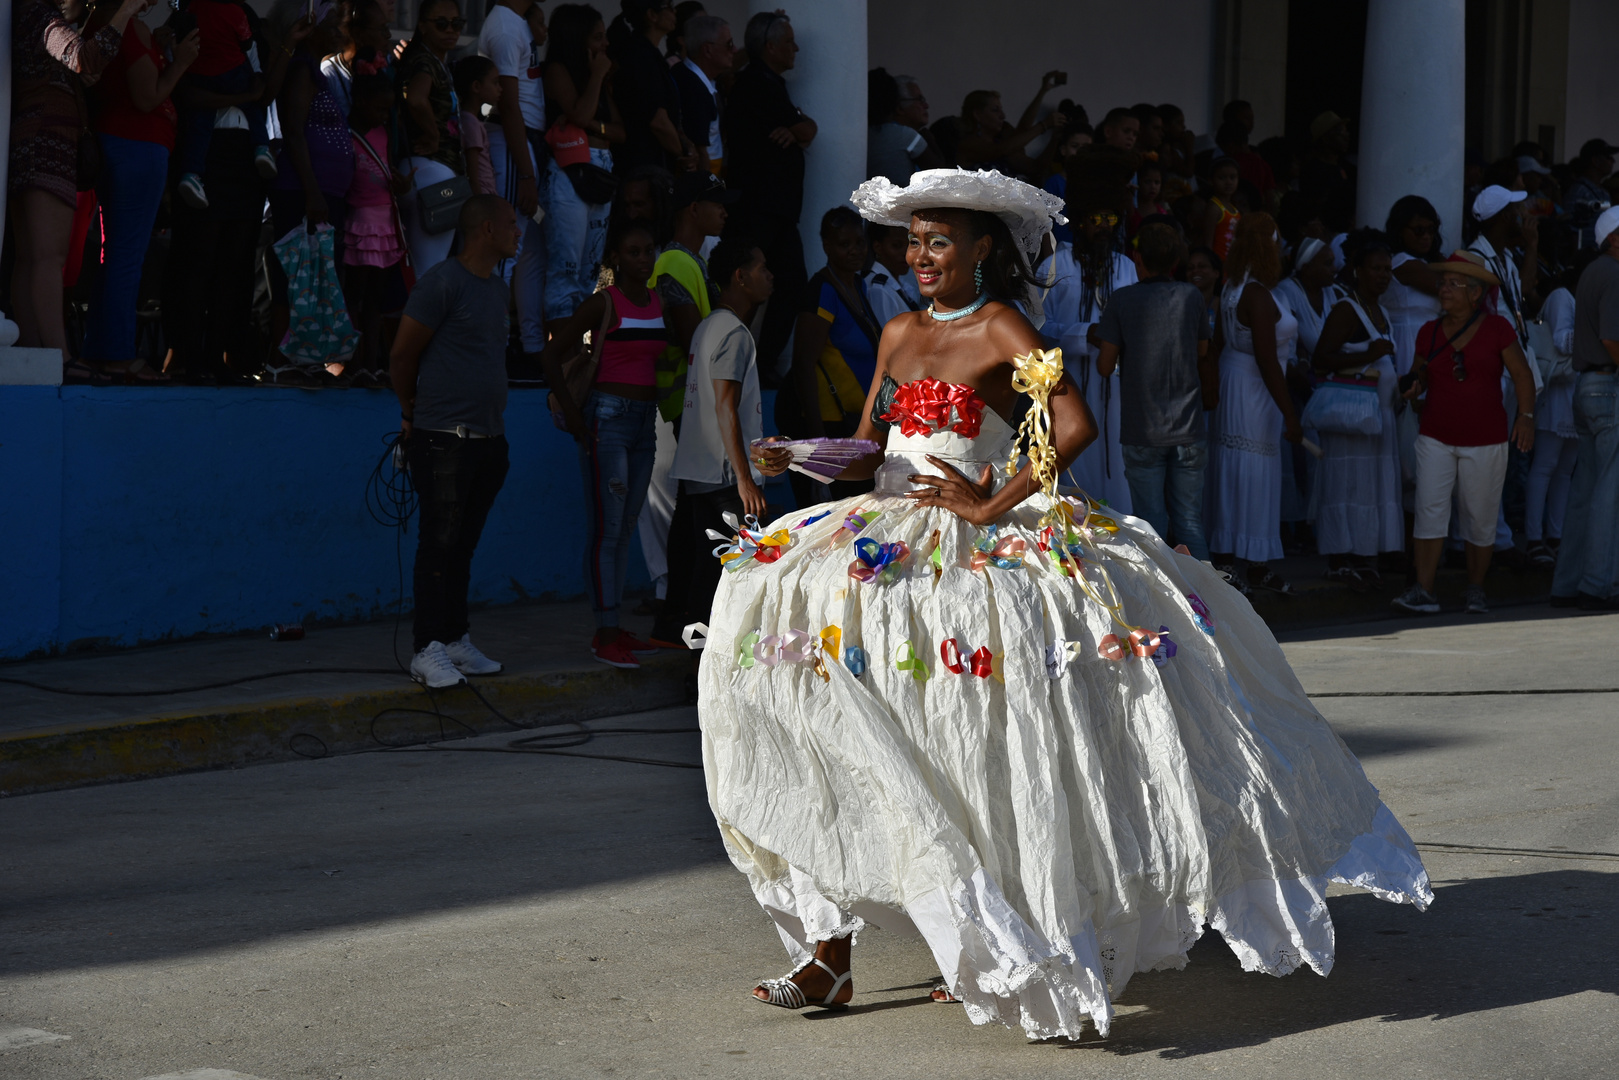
{"x": 72, "y": 692}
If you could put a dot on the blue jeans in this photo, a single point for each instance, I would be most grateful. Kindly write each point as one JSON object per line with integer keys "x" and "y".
{"x": 575, "y": 234}
{"x": 133, "y": 173}
{"x": 1588, "y": 560}
{"x": 616, "y": 466}
{"x": 526, "y": 273}
{"x": 1166, "y": 490}
{"x": 197, "y": 125}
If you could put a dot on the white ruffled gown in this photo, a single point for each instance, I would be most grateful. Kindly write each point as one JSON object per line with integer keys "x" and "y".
{"x": 1051, "y": 834}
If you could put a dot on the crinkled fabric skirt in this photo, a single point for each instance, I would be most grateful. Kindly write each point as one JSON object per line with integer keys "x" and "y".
{"x": 1049, "y": 829}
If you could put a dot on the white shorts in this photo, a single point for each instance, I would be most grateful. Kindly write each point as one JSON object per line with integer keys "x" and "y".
{"x": 1474, "y": 474}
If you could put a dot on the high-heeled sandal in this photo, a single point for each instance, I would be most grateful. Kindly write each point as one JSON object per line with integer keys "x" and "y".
{"x": 786, "y": 994}
{"x": 941, "y": 994}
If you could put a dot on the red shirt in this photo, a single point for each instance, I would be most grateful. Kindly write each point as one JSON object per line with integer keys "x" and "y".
{"x": 118, "y": 115}
{"x": 1469, "y": 412}
{"x": 223, "y": 35}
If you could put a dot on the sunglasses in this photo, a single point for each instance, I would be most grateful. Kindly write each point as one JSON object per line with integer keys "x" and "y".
{"x": 1458, "y": 360}
{"x": 1109, "y": 220}
{"x": 443, "y": 22}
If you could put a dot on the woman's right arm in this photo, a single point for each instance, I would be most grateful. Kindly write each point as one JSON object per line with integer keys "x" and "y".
{"x": 296, "y": 97}
{"x": 579, "y": 106}
{"x": 1415, "y": 274}
{"x": 1257, "y": 309}
{"x": 87, "y": 56}
{"x": 564, "y": 343}
{"x": 865, "y": 468}
{"x": 147, "y": 88}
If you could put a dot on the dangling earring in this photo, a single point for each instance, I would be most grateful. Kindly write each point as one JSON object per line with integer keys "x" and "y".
{"x": 978, "y": 276}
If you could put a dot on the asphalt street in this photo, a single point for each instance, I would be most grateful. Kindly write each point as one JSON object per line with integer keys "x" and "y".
{"x": 475, "y": 912}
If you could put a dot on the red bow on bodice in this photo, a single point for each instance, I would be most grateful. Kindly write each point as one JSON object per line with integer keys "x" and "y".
{"x": 925, "y": 406}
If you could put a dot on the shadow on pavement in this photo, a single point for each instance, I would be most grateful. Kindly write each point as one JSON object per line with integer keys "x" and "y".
{"x": 188, "y": 864}
{"x": 1485, "y": 944}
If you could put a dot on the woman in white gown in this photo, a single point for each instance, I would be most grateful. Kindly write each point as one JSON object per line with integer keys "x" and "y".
{"x": 1309, "y": 294}
{"x": 1357, "y": 506}
{"x": 1035, "y": 735}
{"x": 1412, "y": 300}
{"x": 1255, "y": 411}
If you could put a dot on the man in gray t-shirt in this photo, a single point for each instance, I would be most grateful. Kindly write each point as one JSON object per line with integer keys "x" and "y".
{"x": 1588, "y": 560}
{"x": 449, "y": 372}
{"x": 1157, "y": 334}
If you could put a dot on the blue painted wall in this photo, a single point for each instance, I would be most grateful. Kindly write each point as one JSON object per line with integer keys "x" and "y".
{"x": 130, "y": 515}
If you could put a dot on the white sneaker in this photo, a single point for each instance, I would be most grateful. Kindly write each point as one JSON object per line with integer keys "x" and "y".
{"x": 433, "y": 667}
{"x": 469, "y": 661}
{"x": 192, "y": 193}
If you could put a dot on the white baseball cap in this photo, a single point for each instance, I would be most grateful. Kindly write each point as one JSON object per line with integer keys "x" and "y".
{"x": 1607, "y": 224}
{"x": 1494, "y": 199}
{"x": 1527, "y": 163}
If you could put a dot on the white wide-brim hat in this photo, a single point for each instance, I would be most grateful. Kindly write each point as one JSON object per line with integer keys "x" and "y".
{"x": 1028, "y": 211}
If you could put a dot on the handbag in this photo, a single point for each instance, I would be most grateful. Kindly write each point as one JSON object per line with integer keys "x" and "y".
{"x": 318, "y": 328}
{"x": 579, "y": 370}
{"x": 1345, "y": 404}
{"x": 439, "y": 204}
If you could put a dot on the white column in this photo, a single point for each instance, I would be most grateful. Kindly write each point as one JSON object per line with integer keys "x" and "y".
{"x": 8, "y": 329}
{"x": 1413, "y": 110}
{"x": 829, "y": 84}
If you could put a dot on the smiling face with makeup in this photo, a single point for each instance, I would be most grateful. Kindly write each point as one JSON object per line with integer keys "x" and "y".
{"x": 942, "y": 252}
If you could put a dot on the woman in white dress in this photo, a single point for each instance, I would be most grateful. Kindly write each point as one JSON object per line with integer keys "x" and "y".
{"x": 1028, "y": 731}
{"x": 1358, "y": 511}
{"x": 1309, "y": 294}
{"x": 1412, "y": 300}
{"x": 1551, "y": 469}
{"x": 1255, "y": 410}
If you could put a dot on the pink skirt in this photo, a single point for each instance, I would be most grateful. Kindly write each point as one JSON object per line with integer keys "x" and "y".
{"x": 370, "y": 238}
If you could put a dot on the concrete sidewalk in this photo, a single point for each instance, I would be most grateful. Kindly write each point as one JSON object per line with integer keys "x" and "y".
{"x": 304, "y": 709}
{"x": 131, "y": 728}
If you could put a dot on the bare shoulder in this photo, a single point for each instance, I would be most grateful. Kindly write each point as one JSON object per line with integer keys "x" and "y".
{"x": 1010, "y": 331}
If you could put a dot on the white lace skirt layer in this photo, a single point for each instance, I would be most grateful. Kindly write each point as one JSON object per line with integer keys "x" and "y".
{"x": 1357, "y": 499}
{"x": 1245, "y": 473}
{"x": 1048, "y": 837}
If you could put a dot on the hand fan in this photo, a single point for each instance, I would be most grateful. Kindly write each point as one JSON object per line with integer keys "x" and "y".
{"x": 821, "y": 459}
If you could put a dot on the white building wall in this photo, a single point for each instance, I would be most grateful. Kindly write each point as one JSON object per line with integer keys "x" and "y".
{"x": 1115, "y": 53}
{"x": 1593, "y": 92}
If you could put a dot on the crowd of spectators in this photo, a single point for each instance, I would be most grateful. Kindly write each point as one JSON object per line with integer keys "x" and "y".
{"x": 156, "y": 176}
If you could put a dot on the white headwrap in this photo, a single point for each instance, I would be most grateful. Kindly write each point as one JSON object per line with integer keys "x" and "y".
{"x": 1309, "y": 248}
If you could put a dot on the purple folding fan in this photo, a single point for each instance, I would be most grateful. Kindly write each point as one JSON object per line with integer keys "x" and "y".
{"x": 821, "y": 459}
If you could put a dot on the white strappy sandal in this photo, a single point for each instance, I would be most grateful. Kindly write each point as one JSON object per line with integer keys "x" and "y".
{"x": 786, "y": 994}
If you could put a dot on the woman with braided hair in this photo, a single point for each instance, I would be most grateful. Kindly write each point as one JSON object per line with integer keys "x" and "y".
{"x": 964, "y": 707}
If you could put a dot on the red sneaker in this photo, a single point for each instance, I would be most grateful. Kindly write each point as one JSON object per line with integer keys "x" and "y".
{"x": 635, "y": 644}
{"x": 614, "y": 654}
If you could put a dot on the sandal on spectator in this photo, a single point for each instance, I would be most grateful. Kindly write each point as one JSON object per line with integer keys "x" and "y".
{"x": 1273, "y": 582}
{"x": 138, "y": 373}
{"x": 1347, "y": 575}
{"x": 82, "y": 373}
{"x": 291, "y": 375}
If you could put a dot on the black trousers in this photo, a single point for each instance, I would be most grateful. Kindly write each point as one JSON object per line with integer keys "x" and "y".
{"x": 456, "y": 481}
{"x": 694, "y": 572}
{"x": 208, "y": 293}
{"x": 783, "y": 249}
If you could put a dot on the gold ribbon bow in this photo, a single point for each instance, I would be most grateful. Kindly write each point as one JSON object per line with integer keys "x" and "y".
{"x": 1037, "y": 374}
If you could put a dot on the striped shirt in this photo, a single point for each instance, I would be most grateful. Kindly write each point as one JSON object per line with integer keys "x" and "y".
{"x": 634, "y": 342}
